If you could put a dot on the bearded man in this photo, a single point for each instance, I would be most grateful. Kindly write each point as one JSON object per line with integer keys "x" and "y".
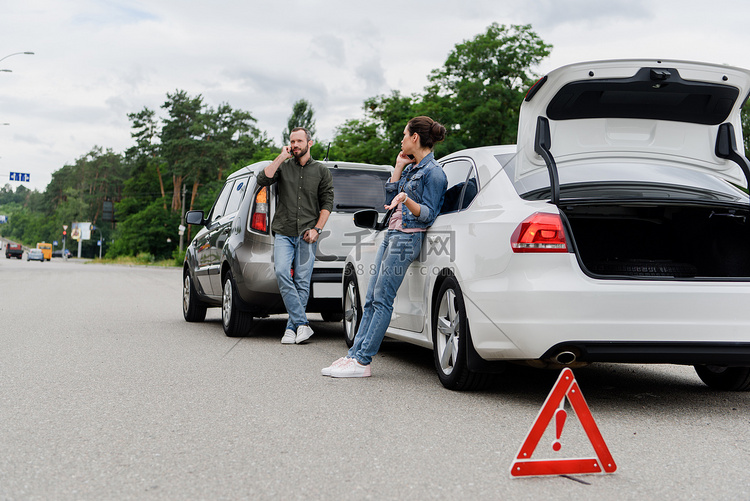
{"x": 305, "y": 199}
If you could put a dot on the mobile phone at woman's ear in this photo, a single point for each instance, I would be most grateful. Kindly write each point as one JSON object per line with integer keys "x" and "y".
{"x": 410, "y": 156}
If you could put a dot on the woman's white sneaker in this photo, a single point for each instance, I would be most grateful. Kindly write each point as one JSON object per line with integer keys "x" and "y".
{"x": 327, "y": 370}
{"x": 350, "y": 368}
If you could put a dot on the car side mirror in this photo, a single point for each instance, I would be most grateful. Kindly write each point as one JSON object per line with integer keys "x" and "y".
{"x": 195, "y": 217}
{"x": 367, "y": 218}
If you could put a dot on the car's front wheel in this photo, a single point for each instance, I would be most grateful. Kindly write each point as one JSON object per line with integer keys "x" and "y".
{"x": 449, "y": 338}
{"x": 352, "y": 306}
{"x": 192, "y": 308}
{"x": 236, "y": 322}
{"x": 724, "y": 378}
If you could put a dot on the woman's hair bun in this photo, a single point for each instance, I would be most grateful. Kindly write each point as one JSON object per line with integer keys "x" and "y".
{"x": 430, "y": 131}
{"x": 437, "y": 131}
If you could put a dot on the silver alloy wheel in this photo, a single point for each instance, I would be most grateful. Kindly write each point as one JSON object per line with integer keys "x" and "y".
{"x": 447, "y": 332}
{"x": 350, "y": 311}
{"x": 226, "y": 303}
{"x": 186, "y": 293}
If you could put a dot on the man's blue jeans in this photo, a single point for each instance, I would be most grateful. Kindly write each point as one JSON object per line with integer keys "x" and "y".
{"x": 394, "y": 256}
{"x": 288, "y": 252}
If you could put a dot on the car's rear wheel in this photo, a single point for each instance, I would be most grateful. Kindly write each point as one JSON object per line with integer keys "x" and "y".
{"x": 352, "y": 306}
{"x": 449, "y": 338}
{"x": 235, "y": 321}
{"x": 724, "y": 378}
{"x": 192, "y": 308}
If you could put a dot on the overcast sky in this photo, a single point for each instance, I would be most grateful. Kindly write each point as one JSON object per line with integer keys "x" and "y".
{"x": 96, "y": 61}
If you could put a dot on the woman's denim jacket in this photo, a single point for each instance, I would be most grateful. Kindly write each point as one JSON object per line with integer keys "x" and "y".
{"x": 425, "y": 183}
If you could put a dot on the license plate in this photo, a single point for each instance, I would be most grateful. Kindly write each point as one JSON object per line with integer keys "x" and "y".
{"x": 326, "y": 290}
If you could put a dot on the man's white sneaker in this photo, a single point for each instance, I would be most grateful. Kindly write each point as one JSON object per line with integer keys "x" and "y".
{"x": 290, "y": 337}
{"x": 350, "y": 368}
{"x": 327, "y": 371}
{"x": 303, "y": 333}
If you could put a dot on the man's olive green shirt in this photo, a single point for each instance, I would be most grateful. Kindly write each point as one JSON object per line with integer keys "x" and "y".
{"x": 303, "y": 191}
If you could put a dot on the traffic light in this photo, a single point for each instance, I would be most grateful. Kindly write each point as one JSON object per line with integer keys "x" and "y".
{"x": 65, "y": 232}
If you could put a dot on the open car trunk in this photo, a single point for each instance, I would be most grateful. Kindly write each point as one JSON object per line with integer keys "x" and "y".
{"x": 638, "y": 240}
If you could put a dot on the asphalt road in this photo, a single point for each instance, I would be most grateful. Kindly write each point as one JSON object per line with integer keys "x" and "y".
{"x": 107, "y": 393}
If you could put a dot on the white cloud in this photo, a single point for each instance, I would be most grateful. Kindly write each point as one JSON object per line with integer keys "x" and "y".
{"x": 98, "y": 60}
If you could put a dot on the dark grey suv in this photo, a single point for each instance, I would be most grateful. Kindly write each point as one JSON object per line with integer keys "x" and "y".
{"x": 229, "y": 263}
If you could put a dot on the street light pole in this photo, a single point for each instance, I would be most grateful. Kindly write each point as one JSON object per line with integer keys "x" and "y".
{"x": 15, "y": 54}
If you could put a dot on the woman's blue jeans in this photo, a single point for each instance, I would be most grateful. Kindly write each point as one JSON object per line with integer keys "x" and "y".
{"x": 288, "y": 251}
{"x": 394, "y": 256}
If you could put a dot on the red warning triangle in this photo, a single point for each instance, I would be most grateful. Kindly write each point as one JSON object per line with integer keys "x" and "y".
{"x": 565, "y": 387}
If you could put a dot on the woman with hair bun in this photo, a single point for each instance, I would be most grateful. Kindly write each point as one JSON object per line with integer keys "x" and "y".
{"x": 415, "y": 192}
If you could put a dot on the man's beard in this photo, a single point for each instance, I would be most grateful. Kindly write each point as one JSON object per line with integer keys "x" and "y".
{"x": 301, "y": 153}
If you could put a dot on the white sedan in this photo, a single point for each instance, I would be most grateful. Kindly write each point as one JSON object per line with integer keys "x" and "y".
{"x": 614, "y": 231}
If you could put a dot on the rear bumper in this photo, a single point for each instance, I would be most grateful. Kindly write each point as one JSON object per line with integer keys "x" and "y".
{"x": 326, "y": 289}
{"x": 259, "y": 289}
{"x": 707, "y": 353}
{"x": 538, "y": 309}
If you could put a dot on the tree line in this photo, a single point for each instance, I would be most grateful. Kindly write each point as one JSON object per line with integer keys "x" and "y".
{"x": 180, "y": 159}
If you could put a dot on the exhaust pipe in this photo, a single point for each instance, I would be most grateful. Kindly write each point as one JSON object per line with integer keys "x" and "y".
{"x": 565, "y": 358}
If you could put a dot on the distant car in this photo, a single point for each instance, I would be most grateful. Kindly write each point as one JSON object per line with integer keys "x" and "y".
{"x": 229, "y": 263}
{"x": 616, "y": 230}
{"x": 59, "y": 253}
{"x": 46, "y": 249}
{"x": 13, "y": 250}
{"x": 35, "y": 255}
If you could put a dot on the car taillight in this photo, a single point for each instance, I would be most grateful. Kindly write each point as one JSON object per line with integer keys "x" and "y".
{"x": 259, "y": 214}
{"x": 540, "y": 232}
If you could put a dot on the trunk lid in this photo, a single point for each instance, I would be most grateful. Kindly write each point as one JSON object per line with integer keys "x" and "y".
{"x": 678, "y": 114}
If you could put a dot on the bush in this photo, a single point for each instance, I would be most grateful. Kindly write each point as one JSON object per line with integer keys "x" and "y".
{"x": 179, "y": 257}
{"x": 144, "y": 258}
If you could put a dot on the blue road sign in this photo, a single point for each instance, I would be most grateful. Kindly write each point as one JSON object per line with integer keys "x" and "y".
{"x": 22, "y": 177}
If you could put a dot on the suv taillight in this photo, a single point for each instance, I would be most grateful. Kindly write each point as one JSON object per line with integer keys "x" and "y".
{"x": 540, "y": 232}
{"x": 259, "y": 213}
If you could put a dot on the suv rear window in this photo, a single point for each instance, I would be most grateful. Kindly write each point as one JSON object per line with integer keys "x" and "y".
{"x": 359, "y": 189}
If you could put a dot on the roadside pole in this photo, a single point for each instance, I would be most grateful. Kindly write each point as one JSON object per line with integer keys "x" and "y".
{"x": 65, "y": 232}
{"x": 182, "y": 224}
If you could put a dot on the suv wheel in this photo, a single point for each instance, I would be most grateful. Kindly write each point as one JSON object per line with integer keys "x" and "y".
{"x": 236, "y": 322}
{"x": 192, "y": 308}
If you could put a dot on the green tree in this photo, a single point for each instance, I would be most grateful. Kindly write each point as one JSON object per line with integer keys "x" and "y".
{"x": 360, "y": 141}
{"x": 302, "y": 116}
{"x": 182, "y": 142}
{"x": 478, "y": 91}
{"x": 151, "y": 230}
{"x": 146, "y": 132}
{"x": 476, "y": 95}
{"x": 377, "y": 137}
